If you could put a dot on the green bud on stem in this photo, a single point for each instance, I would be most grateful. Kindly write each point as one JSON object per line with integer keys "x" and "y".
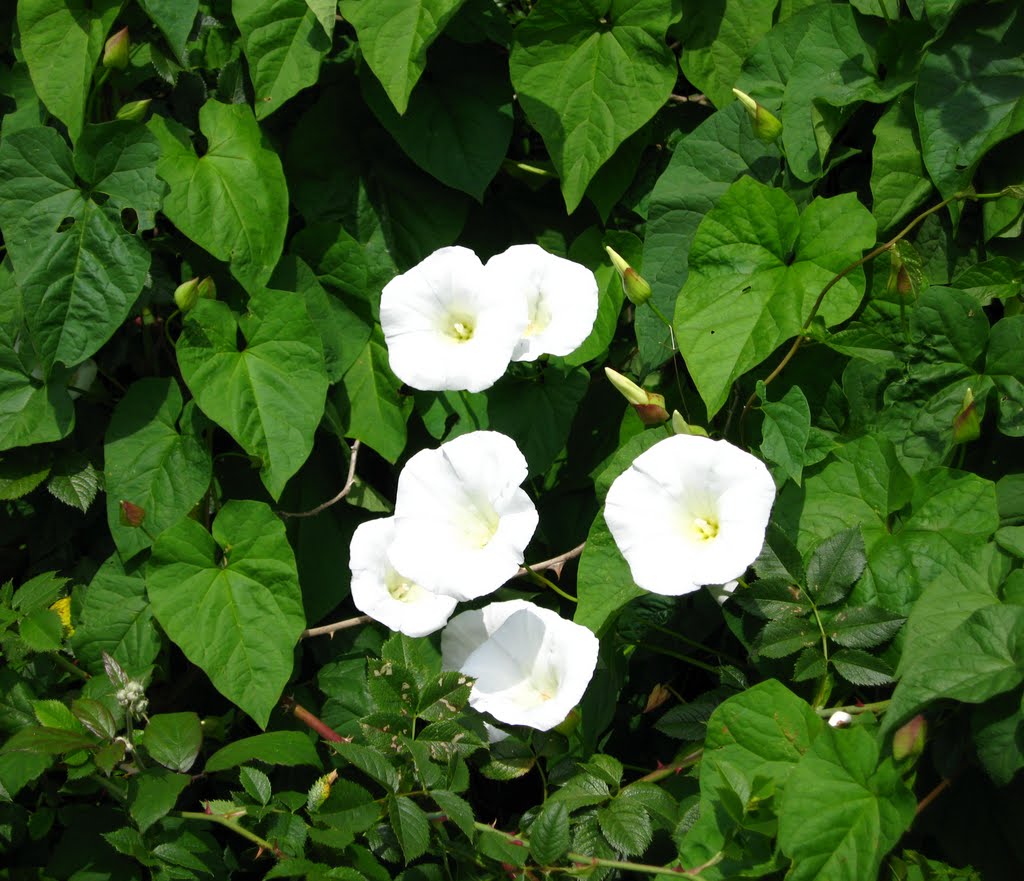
{"x": 766, "y": 126}
{"x": 115, "y": 51}
{"x": 637, "y": 290}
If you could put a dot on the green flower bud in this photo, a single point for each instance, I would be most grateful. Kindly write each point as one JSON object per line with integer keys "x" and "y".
{"x": 766, "y": 126}
{"x": 908, "y": 741}
{"x": 134, "y": 111}
{"x": 681, "y": 426}
{"x": 115, "y": 52}
{"x": 208, "y": 289}
{"x": 650, "y": 406}
{"x": 966, "y": 423}
{"x": 187, "y": 294}
{"x": 633, "y": 284}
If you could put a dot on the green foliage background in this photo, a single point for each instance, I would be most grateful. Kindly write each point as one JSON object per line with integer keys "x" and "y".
{"x": 844, "y": 301}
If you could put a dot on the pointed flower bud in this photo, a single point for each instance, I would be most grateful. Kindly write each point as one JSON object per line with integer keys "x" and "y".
{"x": 766, "y": 126}
{"x": 134, "y": 111}
{"x": 115, "y": 52}
{"x": 966, "y": 423}
{"x": 908, "y": 741}
{"x": 637, "y": 290}
{"x": 187, "y": 294}
{"x": 650, "y": 406}
{"x": 208, "y": 289}
{"x": 681, "y": 426}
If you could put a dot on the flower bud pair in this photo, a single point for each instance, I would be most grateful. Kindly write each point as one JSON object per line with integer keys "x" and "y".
{"x": 188, "y": 293}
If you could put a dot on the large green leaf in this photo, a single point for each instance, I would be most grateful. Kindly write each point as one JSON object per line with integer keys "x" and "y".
{"x": 152, "y": 464}
{"x": 843, "y": 809}
{"x": 232, "y": 200}
{"x": 814, "y": 68}
{"x": 78, "y": 268}
{"x": 269, "y": 396}
{"x": 716, "y": 40}
{"x": 283, "y": 43}
{"x": 898, "y": 180}
{"x": 394, "y": 36}
{"x": 174, "y": 18}
{"x": 116, "y": 619}
{"x": 367, "y": 404}
{"x": 703, "y": 166}
{"x": 756, "y": 268}
{"x": 231, "y": 601}
{"x": 981, "y": 657}
{"x": 970, "y": 95}
{"x": 62, "y": 40}
{"x": 459, "y": 121}
{"x": 588, "y": 75}
{"x": 273, "y": 748}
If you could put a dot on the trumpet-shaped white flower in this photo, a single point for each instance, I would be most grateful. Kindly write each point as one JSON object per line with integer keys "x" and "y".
{"x": 688, "y": 512}
{"x": 561, "y": 297}
{"x": 531, "y": 665}
{"x": 450, "y": 325}
{"x": 462, "y": 522}
{"x": 380, "y": 591}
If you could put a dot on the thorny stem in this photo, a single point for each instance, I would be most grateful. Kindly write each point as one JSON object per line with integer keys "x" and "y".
{"x": 672, "y": 768}
{"x": 544, "y": 582}
{"x": 867, "y": 258}
{"x": 554, "y": 563}
{"x": 234, "y": 827}
{"x": 583, "y": 860}
{"x": 331, "y": 629}
{"x": 345, "y": 490}
{"x": 307, "y": 718}
{"x": 65, "y": 664}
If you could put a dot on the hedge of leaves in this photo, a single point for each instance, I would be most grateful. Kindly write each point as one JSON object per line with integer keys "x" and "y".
{"x": 187, "y": 688}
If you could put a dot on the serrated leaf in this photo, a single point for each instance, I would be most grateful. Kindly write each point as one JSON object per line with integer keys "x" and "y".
{"x": 587, "y": 86}
{"x": 48, "y": 741}
{"x": 174, "y": 18}
{"x": 410, "y": 826}
{"x": 174, "y": 739}
{"x": 94, "y": 716}
{"x": 627, "y": 826}
{"x": 508, "y": 759}
{"x": 245, "y": 568}
{"x": 42, "y": 631}
{"x": 394, "y": 36}
{"x": 38, "y": 593}
{"x": 151, "y": 462}
{"x": 862, "y": 627}
{"x": 835, "y": 566}
{"x": 256, "y": 783}
{"x": 661, "y": 806}
{"x": 456, "y": 809}
{"x": 152, "y": 794}
{"x": 785, "y": 636}
{"x": 756, "y": 267}
{"x": 21, "y": 471}
{"x": 232, "y": 201}
{"x": 773, "y": 598}
{"x": 269, "y": 395}
{"x": 860, "y": 668}
{"x": 809, "y": 665}
{"x": 549, "y": 834}
{"x": 370, "y": 762}
{"x": 843, "y": 808}
{"x": 274, "y": 748}
{"x": 284, "y": 43}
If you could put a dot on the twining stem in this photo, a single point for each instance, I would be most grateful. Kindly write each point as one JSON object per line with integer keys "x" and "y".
{"x": 854, "y": 709}
{"x": 544, "y": 582}
{"x": 238, "y": 829}
{"x": 583, "y": 860}
{"x": 867, "y": 258}
{"x": 345, "y": 490}
{"x": 725, "y": 656}
{"x": 680, "y": 657}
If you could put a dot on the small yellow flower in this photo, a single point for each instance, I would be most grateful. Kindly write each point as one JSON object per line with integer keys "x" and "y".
{"x": 63, "y": 609}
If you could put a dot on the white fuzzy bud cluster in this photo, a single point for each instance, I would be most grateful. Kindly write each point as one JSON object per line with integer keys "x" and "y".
{"x": 133, "y": 698}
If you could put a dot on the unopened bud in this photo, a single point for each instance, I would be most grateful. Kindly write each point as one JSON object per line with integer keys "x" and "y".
{"x": 966, "y": 424}
{"x": 908, "y": 741}
{"x": 659, "y": 694}
{"x": 649, "y": 406}
{"x": 840, "y": 719}
{"x": 208, "y": 289}
{"x": 636, "y": 289}
{"x": 320, "y": 791}
{"x": 186, "y": 295}
{"x": 765, "y": 125}
{"x": 115, "y": 52}
{"x": 681, "y": 426}
{"x": 134, "y": 111}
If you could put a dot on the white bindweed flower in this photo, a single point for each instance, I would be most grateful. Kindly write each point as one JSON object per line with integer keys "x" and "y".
{"x": 449, "y": 324}
{"x": 462, "y": 522}
{"x": 688, "y": 512}
{"x": 531, "y": 665}
{"x": 378, "y": 590}
{"x": 561, "y": 297}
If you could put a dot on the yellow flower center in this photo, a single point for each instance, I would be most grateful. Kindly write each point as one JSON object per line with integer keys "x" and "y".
{"x": 706, "y": 529}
